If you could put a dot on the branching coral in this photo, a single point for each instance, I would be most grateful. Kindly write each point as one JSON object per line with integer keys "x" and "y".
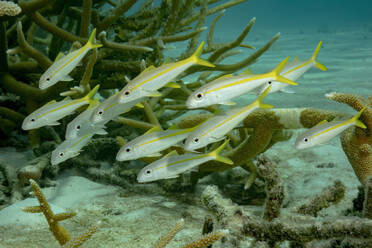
{"x": 59, "y": 232}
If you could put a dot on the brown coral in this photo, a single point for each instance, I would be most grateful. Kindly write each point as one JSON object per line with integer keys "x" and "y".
{"x": 357, "y": 142}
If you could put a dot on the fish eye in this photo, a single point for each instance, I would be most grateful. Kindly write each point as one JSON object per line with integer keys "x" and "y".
{"x": 47, "y": 79}
{"x": 269, "y": 82}
{"x": 78, "y": 127}
{"x": 127, "y": 150}
{"x": 199, "y": 96}
{"x": 100, "y": 112}
{"x": 32, "y": 119}
{"x": 306, "y": 140}
{"x": 61, "y": 154}
{"x": 127, "y": 92}
{"x": 196, "y": 140}
{"x": 148, "y": 172}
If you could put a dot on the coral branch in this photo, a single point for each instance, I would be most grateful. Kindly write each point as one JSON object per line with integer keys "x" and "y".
{"x": 59, "y": 232}
{"x": 43, "y": 61}
{"x": 163, "y": 241}
{"x": 330, "y": 195}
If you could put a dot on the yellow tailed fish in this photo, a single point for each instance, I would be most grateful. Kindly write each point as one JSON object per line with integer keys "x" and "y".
{"x": 151, "y": 143}
{"x": 69, "y": 148}
{"x": 223, "y": 89}
{"x": 111, "y": 108}
{"x": 325, "y": 131}
{"x": 172, "y": 165}
{"x": 149, "y": 81}
{"x": 62, "y": 66}
{"x": 215, "y": 128}
{"x": 81, "y": 124}
{"x": 50, "y": 113}
{"x": 294, "y": 70}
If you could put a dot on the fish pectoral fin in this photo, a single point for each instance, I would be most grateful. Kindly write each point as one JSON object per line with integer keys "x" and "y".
{"x": 139, "y": 105}
{"x": 228, "y": 103}
{"x": 173, "y": 85}
{"x": 56, "y": 123}
{"x": 67, "y": 78}
{"x": 287, "y": 90}
{"x": 154, "y": 94}
{"x": 158, "y": 154}
{"x": 171, "y": 176}
{"x": 101, "y": 131}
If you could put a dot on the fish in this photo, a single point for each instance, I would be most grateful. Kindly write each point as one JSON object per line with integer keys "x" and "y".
{"x": 215, "y": 128}
{"x": 82, "y": 125}
{"x": 51, "y": 112}
{"x": 111, "y": 108}
{"x": 223, "y": 89}
{"x": 152, "y": 142}
{"x": 172, "y": 164}
{"x": 293, "y": 71}
{"x": 69, "y": 148}
{"x": 148, "y": 82}
{"x": 324, "y": 131}
{"x": 61, "y": 67}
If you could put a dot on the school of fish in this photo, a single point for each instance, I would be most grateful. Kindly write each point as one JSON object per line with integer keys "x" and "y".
{"x": 222, "y": 90}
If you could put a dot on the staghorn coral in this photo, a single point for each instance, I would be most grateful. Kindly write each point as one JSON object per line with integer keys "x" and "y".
{"x": 357, "y": 142}
{"x": 59, "y": 232}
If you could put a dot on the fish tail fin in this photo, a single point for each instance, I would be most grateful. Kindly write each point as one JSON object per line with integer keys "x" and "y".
{"x": 315, "y": 54}
{"x": 276, "y": 73}
{"x": 261, "y": 97}
{"x": 91, "y": 39}
{"x": 357, "y": 122}
{"x": 196, "y": 57}
{"x": 90, "y": 95}
{"x": 215, "y": 154}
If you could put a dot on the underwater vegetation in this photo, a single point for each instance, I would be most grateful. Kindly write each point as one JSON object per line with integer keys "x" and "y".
{"x": 87, "y": 82}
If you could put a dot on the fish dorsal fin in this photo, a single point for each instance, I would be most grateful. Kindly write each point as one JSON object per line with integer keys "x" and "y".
{"x": 139, "y": 105}
{"x": 173, "y": 127}
{"x": 170, "y": 154}
{"x": 60, "y": 55}
{"x": 66, "y": 98}
{"x": 322, "y": 122}
{"x": 154, "y": 129}
{"x": 173, "y": 85}
{"x": 247, "y": 72}
{"x": 166, "y": 61}
{"x": 50, "y": 102}
{"x": 226, "y": 76}
{"x": 151, "y": 67}
{"x": 120, "y": 140}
